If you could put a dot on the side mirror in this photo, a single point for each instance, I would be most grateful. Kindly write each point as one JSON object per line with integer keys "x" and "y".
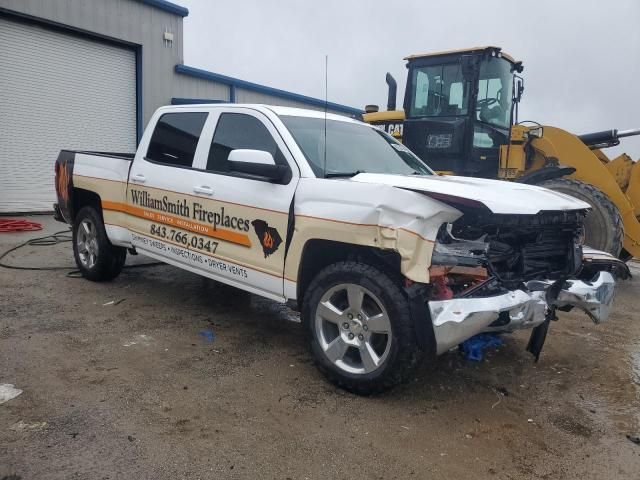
{"x": 258, "y": 163}
{"x": 518, "y": 88}
{"x": 242, "y": 155}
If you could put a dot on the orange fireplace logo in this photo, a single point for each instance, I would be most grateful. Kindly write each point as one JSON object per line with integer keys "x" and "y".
{"x": 267, "y": 240}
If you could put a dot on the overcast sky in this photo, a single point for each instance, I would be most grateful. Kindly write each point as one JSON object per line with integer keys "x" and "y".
{"x": 581, "y": 58}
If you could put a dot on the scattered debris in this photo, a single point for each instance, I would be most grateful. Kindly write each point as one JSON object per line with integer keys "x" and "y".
{"x": 634, "y": 439}
{"x": 503, "y": 391}
{"x": 114, "y": 302}
{"x": 500, "y": 392}
{"x": 22, "y": 426}
{"x": 8, "y": 391}
{"x": 473, "y": 348}
{"x": 498, "y": 402}
{"x": 208, "y": 335}
{"x": 138, "y": 339}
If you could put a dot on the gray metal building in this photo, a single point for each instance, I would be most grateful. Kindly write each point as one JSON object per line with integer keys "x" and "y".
{"x": 88, "y": 74}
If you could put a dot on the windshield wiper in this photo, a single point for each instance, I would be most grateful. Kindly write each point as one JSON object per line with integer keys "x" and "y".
{"x": 342, "y": 174}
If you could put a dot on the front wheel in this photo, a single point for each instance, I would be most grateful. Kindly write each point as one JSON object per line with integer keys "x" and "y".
{"x": 96, "y": 258}
{"x": 361, "y": 331}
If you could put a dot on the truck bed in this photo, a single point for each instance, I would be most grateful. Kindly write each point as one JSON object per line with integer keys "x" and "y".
{"x": 104, "y": 174}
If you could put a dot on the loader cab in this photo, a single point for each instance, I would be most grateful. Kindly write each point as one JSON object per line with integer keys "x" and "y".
{"x": 459, "y": 108}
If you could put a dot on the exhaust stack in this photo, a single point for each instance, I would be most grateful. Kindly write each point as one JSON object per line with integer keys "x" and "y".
{"x": 393, "y": 89}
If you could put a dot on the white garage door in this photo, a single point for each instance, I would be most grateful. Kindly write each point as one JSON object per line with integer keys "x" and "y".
{"x": 58, "y": 91}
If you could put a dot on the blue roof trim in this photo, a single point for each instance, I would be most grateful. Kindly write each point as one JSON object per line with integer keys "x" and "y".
{"x": 276, "y": 92}
{"x": 167, "y": 7}
{"x": 192, "y": 101}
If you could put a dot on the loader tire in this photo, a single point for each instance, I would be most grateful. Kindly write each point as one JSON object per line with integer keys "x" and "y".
{"x": 603, "y": 225}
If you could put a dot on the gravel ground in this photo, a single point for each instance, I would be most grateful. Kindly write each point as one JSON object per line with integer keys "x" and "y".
{"x": 135, "y": 389}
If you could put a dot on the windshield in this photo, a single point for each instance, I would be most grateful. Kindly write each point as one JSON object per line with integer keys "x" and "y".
{"x": 439, "y": 91}
{"x": 495, "y": 91}
{"x": 352, "y": 148}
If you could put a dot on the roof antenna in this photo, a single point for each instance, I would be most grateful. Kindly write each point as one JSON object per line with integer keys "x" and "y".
{"x": 326, "y": 102}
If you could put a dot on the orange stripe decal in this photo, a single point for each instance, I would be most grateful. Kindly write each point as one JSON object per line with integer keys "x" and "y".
{"x": 224, "y": 259}
{"x": 219, "y": 233}
{"x": 365, "y": 225}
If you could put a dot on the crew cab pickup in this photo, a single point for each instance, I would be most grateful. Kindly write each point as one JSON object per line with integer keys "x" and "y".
{"x": 387, "y": 262}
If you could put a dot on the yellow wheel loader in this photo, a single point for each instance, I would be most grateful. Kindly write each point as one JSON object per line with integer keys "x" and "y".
{"x": 461, "y": 116}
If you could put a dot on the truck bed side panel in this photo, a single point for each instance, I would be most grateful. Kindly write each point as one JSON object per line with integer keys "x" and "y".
{"x": 100, "y": 173}
{"x": 107, "y": 177}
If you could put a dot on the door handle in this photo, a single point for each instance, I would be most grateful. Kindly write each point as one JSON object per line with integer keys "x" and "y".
{"x": 137, "y": 177}
{"x": 204, "y": 190}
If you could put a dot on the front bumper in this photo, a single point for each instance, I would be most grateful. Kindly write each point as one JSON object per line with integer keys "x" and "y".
{"x": 456, "y": 320}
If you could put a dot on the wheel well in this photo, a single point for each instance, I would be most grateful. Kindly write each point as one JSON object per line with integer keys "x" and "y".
{"x": 318, "y": 254}
{"x": 535, "y": 177}
{"x": 83, "y": 198}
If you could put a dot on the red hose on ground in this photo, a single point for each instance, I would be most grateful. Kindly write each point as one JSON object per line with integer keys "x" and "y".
{"x": 18, "y": 225}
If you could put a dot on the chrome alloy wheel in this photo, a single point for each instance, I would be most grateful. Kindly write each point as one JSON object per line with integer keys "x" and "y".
{"x": 353, "y": 328}
{"x": 87, "y": 243}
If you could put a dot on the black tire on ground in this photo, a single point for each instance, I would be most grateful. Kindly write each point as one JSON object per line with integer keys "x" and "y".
{"x": 97, "y": 259}
{"x": 402, "y": 352}
{"x": 603, "y": 225}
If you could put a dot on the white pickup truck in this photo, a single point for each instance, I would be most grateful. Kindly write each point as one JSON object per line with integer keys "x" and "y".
{"x": 387, "y": 262}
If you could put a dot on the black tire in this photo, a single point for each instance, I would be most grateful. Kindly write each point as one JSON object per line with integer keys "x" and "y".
{"x": 603, "y": 226}
{"x": 108, "y": 259}
{"x": 403, "y": 354}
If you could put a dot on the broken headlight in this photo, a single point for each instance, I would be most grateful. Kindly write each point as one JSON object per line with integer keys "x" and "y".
{"x": 458, "y": 266}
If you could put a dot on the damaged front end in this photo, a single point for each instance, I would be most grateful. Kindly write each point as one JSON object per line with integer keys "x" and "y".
{"x": 501, "y": 273}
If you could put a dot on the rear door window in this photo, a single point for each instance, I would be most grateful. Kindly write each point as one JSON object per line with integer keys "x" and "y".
{"x": 175, "y": 138}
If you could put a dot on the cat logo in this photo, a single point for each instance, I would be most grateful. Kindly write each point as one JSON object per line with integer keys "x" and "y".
{"x": 394, "y": 129}
{"x": 269, "y": 237}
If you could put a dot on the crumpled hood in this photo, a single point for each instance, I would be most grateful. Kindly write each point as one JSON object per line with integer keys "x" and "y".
{"x": 497, "y": 195}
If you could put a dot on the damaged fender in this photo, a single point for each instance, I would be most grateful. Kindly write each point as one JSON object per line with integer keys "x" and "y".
{"x": 370, "y": 215}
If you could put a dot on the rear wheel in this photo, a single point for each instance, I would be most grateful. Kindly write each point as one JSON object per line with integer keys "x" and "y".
{"x": 603, "y": 225}
{"x": 360, "y": 326}
{"x": 96, "y": 258}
